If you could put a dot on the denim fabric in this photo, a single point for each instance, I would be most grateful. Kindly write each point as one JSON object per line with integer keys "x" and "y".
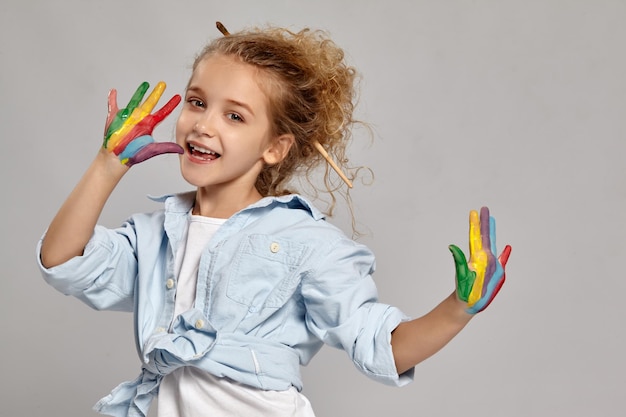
{"x": 275, "y": 283}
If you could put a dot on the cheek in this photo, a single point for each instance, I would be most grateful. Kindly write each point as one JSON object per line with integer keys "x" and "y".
{"x": 183, "y": 127}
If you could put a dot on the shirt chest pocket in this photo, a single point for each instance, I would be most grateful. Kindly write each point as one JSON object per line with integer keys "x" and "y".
{"x": 264, "y": 272}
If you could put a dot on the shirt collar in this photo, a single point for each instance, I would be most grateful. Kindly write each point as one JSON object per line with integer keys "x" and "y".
{"x": 182, "y": 203}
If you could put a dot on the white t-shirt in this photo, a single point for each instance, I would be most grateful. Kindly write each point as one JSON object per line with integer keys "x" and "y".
{"x": 192, "y": 392}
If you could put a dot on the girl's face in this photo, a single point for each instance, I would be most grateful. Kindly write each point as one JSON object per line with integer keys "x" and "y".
{"x": 224, "y": 125}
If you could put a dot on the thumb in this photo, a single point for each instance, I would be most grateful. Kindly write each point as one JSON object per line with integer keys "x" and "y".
{"x": 464, "y": 276}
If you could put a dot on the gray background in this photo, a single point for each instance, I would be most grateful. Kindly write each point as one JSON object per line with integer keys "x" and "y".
{"x": 518, "y": 105}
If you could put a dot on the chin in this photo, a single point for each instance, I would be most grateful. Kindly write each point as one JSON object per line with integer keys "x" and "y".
{"x": 193, "y": 178}
{"x": 196, "y": 182}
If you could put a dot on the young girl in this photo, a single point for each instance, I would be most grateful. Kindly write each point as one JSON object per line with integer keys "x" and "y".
{"x": 236, "y": 285}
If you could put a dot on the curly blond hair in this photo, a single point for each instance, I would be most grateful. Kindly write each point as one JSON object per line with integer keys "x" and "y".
{"x": 311, "y": 92}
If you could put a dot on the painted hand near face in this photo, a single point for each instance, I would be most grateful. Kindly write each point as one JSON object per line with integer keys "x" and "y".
{"x": 128, "y": 131}
{"x": 479, "y": 280}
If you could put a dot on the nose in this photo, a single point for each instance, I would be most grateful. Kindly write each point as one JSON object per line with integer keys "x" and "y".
{"x": 205, "y": 124}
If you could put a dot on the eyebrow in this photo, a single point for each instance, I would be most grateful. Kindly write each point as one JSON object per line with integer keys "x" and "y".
{"x": 241, "y": 104}
{"x": 195, "y": 89}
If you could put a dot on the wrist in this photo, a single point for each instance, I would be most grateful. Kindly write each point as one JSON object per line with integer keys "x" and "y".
{"x": 459, "y": 308}
{"x": 110, "y": 165}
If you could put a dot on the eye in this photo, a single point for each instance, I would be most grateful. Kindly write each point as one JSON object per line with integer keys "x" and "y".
{"x": 196, "y": 102}
{"x": 234, "y": 117}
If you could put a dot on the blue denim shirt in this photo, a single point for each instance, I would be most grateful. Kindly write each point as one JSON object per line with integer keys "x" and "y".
{"x": 275, "y": 283}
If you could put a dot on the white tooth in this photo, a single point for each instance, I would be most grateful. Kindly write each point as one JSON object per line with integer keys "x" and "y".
{"x": 203, "y": 150}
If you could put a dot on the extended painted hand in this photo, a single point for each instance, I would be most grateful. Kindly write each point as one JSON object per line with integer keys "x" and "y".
{"x": 479, "y": 280}
{"x": 128, "y": 131}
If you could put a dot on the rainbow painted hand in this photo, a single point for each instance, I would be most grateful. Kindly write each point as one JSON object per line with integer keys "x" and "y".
{"x": 128, "y": 131}
{"x": 479, "y": 280}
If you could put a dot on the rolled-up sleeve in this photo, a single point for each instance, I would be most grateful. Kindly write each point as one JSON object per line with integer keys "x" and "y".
{"x": 103, "y": 276}
{"x": 343, "y": 310}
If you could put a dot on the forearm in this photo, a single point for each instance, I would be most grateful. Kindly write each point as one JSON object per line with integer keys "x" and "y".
{"x": 418, "y": 339}
{"x": 73, "y": 225}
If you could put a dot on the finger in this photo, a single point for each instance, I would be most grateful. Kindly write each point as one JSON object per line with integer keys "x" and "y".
{"x": 131, "y": 113}
{"x": 114, "y": 117}
{"x": 154, "y": 149}
{"x": 124, "y": 113}
{"x": 459, "y": 258}
{"x": 112, "y": 108}
{"x": 492, "y": 235}
{"x": 464, "y": 277}
{"x": 135, "y": 146}
{"x": 151, "y": 101}
{"x": 475, "y": 244}
{"x": 478, "y": 258}
{"x": 485, "y": 225}
{"x": 164, "y": 111}
{"x": 487, "y": 231}
{"x": 137, "y": 97}
{"x": 504, "y": 256}
{"x": 112, "y": 111}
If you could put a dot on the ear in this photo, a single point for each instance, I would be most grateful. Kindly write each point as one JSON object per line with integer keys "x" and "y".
{"x": 278, "y": 149}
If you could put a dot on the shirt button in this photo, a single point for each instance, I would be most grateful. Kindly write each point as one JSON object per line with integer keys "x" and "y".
{"x": 160, "y": 330}
{"x": 169, "y": 283}
{"x": 274, "y": 247}
{"x": 199, "y": 324}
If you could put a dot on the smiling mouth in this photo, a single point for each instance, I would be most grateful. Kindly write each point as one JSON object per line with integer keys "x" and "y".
{"x": 202, "y": 153}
